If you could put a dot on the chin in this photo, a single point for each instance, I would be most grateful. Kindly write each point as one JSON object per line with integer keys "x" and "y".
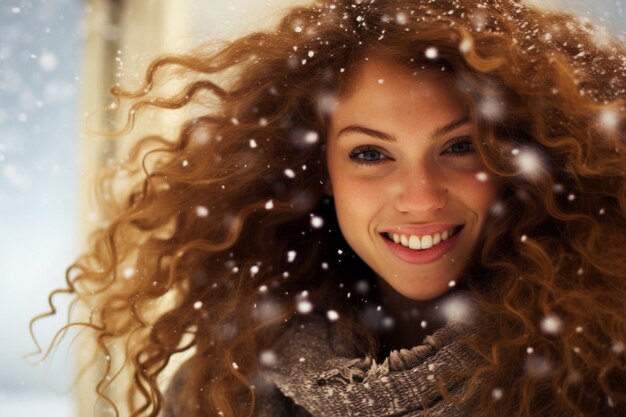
{"x": 421, "y": 292}
{"x": 424, "y": 296}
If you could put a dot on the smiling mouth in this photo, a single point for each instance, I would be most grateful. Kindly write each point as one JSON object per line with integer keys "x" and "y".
{"x": 423, "y": 242}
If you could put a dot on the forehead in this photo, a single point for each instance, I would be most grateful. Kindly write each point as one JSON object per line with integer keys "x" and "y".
{"x": 380, "y": 70}
{"x": 380, "y": 88}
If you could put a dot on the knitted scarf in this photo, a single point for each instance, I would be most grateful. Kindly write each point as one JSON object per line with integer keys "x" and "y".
{"x": 313, "y": 376}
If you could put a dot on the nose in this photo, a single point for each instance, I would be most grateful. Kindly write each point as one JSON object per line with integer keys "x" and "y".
{"x": 420, "y": 192}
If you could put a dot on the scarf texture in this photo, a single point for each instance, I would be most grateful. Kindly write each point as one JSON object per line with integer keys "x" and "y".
{"x": 315, "y": 375}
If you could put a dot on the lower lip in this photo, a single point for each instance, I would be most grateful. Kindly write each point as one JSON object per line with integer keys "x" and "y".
{"x": 425, "y": 256}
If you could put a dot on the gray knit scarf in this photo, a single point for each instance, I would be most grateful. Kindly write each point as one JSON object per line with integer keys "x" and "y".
{"x": 310, "y": 372}
{"x": 310, "y": 377}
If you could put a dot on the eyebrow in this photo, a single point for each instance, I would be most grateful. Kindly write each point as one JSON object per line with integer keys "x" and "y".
{"x": 440, "y": 131}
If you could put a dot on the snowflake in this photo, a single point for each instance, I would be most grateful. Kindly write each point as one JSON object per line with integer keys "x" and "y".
{"x": 482, "y": 176}
{"x": 497, "y": 393}
{"x": 311, "y": 137}
{"x": 431, "y": 53}
{"x": 529, "y": 162}
{"x": 317, "y": 222}
{"x": 267, "y": 358}
{"x": 332, "y": 315}
{"x": 466, "y": 45}
{"x": 609, "y": 119}
{"x": 551, "y": 324}
{"x": 202, "y": 211}
{"x": 304, "y": 306}
{"x": 401, "y": 19}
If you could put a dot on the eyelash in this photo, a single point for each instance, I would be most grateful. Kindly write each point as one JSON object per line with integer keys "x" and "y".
{"x": 464, "y": 139}
{"x": 357, "y": 152}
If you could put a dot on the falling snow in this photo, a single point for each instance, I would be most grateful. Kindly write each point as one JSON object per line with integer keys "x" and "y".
{"x": 311, "y": 137}
{"x": 466, "y": 45}
{"x": 609, "y": 119}
{"x": 268, "y": 358}
{"x": 491, "y": 108}
{"x": 202, "y": 211}
{"x": 60, "y": 91}
{"x": 431, "y": 53}
{"x": 537, "y": 366}
{"x": 304, "y": 307}
{"x": 48, "y": 61}
{"x": 317, "y": 222}
{"x": 482, "y": 176}
{"x": 332, "y": 315}
{"x": 528, "y": 162}
{"x": 128, "y": 272}
{"x": 457, "y": 308}
{"x": 497, "y": 394}
{"x": 551, "y": 325}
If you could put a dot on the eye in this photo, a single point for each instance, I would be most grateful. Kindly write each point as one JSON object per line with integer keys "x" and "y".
{"x": 460, "y": 147}
{"x": 367, "y": 155}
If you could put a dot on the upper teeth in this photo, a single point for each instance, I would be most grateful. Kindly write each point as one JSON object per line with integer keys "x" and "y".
{"x": 421, "y": 242}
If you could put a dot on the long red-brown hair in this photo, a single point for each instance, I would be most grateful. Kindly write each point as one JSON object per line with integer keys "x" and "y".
{"x": 219, "y": 208}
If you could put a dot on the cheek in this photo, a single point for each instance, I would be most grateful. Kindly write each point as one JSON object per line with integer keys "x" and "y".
{"x": 480, "y": 196}
{"x": 355, "y": 195}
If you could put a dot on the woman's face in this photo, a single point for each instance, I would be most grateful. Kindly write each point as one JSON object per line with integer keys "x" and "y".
{"x": 411, "y": 194}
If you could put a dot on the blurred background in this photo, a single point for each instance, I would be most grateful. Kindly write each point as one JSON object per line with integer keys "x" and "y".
{"x": 57, "y": 60}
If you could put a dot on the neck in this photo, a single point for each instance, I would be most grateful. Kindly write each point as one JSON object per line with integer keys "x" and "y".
{"x": 413, "y": 319}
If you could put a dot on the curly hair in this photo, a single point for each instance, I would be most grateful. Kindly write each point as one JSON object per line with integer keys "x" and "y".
{"x": 206, "y": 231}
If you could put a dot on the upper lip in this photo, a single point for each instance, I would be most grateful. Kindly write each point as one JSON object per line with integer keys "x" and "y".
{"x": 427, "y": 229}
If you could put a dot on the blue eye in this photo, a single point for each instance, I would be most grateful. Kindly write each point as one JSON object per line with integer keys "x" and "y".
{"x": 461, "y": 147}
{"x": 366, "y": 155}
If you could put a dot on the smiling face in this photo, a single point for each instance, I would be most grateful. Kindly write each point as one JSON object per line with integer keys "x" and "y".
{"x": 411, "y": 194}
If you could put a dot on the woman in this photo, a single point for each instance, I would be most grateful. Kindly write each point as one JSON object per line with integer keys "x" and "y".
{"x": 393, "y": 208}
